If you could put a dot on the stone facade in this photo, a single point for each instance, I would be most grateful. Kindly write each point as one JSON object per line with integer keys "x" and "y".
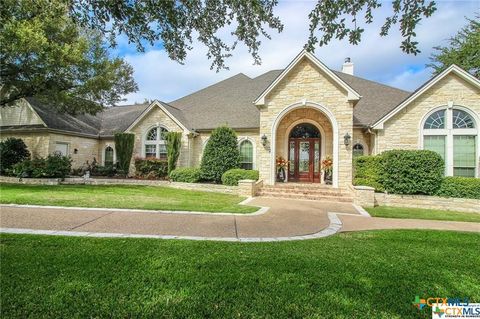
{"x": 306, "y": 82}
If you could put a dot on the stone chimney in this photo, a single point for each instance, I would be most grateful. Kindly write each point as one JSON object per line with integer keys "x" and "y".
{"x": 347, "y": 67}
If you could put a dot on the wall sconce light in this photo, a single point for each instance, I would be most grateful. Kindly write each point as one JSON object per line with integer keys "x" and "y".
{"x": 75, "y": 151}
{"x": 346, "y": 139}
{"x": 264, "y": 140}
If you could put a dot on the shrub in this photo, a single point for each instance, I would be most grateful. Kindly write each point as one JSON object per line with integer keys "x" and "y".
{"x": 367, "y": 171}
{"x": 174, "y": 142}
{"x": 221, "y": 154}
{"x": 107, "y": 170}
{"x": 124, "y": 147}
{"x": 150, "y": 168}
{"x": 463, "y": 187}
{"x": 54, "y": 166}
{"x": 12, "y": 151}
{"x": 411, "y": 171}
{"x": 185, "y": 174}
{"x": 232, "y": 176}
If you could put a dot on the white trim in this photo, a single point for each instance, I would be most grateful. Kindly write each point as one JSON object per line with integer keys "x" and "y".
{"x": 254, "y": 148}
{"x": 453, "y": 68}
{"x": 157, "y": 142}
{"x": 149, "y": 108}
{"x": 282, "y": 114}
{"x": 114, "y": 153}
{"x": 322, "y": 140}
{"x": 352, "y": 95}
{"x": 449, "y": 132}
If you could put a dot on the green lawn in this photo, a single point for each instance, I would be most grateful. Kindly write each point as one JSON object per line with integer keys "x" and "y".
{"x": 373, "y": 274}
{"x": 122, "y": 196}
{"x": 417, "y": 213}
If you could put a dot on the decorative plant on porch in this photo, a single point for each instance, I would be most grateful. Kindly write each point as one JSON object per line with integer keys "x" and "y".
{"x": 327, "y": 168}
{"x": 281, "y": 164}
{"x": 174, "y": 142}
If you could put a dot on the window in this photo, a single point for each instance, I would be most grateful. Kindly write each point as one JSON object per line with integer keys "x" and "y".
{"x": 155, "y": 146}
{"x": 61, "y": 148}
{"x": 453, "y": 133}
{"x": 357, "y": 150}
{"x": 246, "y": 154}
{"x": 108, "y": 159}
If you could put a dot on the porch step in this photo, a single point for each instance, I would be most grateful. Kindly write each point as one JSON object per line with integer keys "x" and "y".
{"x": 306, "y": 191}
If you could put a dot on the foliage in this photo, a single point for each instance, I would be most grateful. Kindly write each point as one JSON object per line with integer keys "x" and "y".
{"x": 327, "y": 165}
{"x": 54, "y": 166}
{"x": 411, "y": 171}
{"x": 367, "y": 172}
{"x": 328, "y": 17}
{"x": 463, "y": 50}
{"x": 232, "y": 176}
{"x": 151, "y": 168}
{"x": 174, "y": 142}
{"x": 281, "y": 162}
{"x": 419, "y": 213}
{"x": 462, "y": 187}
{"x": 107, "y": 170}
{"x": 60, "y": 276}
{"x": 122, "y": 196}
{"x": 12, "y": 151}
{"x": 46, "y": 55}
{"x": 221, "y": 154}
{"x": 185, "y": 174}
{"x": 124, "y": 146}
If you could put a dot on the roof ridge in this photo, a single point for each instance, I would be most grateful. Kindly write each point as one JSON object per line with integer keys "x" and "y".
{"x": 374, "y": 82}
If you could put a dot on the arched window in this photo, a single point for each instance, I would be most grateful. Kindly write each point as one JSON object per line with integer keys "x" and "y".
{"x": 453, "y": 133}
{"x": 155, "y": 146}
{"x": 357, "y": 150}
{"x": 246, "y": 154}
{"x": 108, "y": 158}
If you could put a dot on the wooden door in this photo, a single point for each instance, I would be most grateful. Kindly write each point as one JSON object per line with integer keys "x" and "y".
{"x": 304, "y": 157}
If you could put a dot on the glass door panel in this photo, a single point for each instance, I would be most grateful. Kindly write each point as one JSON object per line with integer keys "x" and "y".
{"x": 304, "y": 157}
{"x": 291, "y": 158}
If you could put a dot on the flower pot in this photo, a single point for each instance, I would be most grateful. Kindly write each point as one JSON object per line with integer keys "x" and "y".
{"x": 281, "y": 175}
{"x": 327, "y": 177}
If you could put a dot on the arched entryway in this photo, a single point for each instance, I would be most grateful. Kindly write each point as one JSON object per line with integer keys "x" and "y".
{"x": 304, "y": 153}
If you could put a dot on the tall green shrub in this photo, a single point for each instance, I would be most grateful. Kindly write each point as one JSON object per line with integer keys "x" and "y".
{"x": 12, "y": 151}
{"x": 174, "y": 142}
{"x": 461, "y": 187}
{"x": 367, "y": 171}
{"x": 220, "y": 154}
{"x": 124, "y": 147}
{"x": 411, "y": 171}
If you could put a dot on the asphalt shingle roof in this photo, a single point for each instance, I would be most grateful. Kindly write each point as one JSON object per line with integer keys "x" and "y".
{"x": 227, "y": 102}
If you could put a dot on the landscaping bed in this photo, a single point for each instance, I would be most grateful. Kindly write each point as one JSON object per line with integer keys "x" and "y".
{"x": 374, "y": 274}
{"x": 122, "y": 196}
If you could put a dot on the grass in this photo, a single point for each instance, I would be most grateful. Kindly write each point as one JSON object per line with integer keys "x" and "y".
{"x": 122, "y": 196}
{"x": 374, "y": 274}
{"x": 417, "y": 213}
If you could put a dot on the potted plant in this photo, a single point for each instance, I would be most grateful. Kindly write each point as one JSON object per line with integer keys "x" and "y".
{"x": 327, "y": 168}
{"x": 281, "y": 165}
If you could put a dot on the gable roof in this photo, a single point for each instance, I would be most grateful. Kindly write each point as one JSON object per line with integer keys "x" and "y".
{"x": 352, "y": 95}
{"x": 427, "y": 85}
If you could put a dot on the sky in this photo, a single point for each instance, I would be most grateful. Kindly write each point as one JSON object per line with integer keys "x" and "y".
{"x": 376, "y": 58}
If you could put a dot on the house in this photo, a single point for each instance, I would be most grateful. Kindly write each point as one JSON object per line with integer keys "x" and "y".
{"x": 304, "y": 113}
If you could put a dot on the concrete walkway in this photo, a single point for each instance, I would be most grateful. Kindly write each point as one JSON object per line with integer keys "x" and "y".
{"x": 284, "y": 220}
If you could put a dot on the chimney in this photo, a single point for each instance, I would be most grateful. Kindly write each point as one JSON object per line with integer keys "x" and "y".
{"x": 347, "y": 67}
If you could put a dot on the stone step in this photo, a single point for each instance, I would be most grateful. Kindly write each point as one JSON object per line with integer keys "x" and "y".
{"x": 325, "y": 192}
{"x": 301, "y": 186}
{"x": 343, "y": 198}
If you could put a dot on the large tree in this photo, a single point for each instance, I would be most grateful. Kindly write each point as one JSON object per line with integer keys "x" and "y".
{"x": 45, "y": 54}
{"x": 175, "y": 23}
{"x": 463, "y": 49}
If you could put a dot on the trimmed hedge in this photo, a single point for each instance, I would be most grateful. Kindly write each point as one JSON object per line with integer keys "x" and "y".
{"x": 232, "y": 176}
{"x": 54, "y": 166}
{"x": 221, "y": 154}
{"x": 151, "y": 168}
{"x": 463, "y": 187}
{"x": 185, "y": 174}
{"x": 367, "y": 172}
{"x": 411, "y": 171}
{"x": 12, "y": 151}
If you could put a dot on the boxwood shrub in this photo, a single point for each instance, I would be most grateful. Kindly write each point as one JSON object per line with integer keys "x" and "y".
{"x": 185, "y": 174}
{"x": 232, "y": 176}
{"x": 463, "y": 187}
{"x": 150, "y": 168}
{"x": 367, "y": 172}
{"x": 54, "y": 166}
{"x": 411, "y": 171}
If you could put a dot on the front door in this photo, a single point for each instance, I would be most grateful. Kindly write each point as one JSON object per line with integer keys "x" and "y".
{"x": 304, "y": 160}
